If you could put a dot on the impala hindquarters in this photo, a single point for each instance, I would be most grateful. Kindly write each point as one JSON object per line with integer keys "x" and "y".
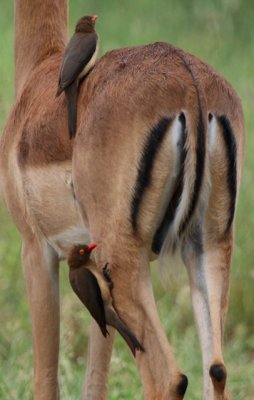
{"x": 136, "y": 151}
{"x": 154, "y": 169}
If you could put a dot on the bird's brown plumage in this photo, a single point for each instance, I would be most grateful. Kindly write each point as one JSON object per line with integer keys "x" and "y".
{"x": 94, "y": 292}
{"x": 79, "y": 57}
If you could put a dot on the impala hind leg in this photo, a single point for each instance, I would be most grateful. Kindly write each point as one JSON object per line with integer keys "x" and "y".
{"x": 99, "y": 355}
{"x": 209, "y": 270}
{"x": 134, "y": 301}
{"x": 40, "y": 265}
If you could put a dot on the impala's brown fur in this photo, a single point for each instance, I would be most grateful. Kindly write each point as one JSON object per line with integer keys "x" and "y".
{"x": 40, "y": 32}
{"x": 129, "y": 94}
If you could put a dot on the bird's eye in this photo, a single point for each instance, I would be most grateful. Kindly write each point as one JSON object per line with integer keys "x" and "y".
{"x": 81, "y": 251}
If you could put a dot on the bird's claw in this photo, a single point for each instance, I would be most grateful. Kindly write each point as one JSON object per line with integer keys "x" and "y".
{"x": 106, "y": 274}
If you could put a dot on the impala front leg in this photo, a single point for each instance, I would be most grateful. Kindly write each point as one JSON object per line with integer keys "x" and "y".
{"x": 99, "y": 355}
{"x": 40, "y": 266}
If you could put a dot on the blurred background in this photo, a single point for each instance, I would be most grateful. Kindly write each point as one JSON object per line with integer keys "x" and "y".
{"x": 221, "y": 32}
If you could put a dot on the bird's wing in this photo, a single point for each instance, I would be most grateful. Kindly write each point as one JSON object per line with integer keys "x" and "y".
{"x": 78, "y": 53}
{"x": 86, "y": 287}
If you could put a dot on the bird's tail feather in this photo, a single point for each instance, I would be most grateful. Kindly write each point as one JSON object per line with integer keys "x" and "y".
{"x": 71, "y": 96}
{"x": 104, "y": 330}
{"x": 113, "y": 320}
{"x": 59, "y": 91}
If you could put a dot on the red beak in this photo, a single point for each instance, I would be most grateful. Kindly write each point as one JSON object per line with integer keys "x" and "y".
{"x": 94, "y": 18}
{"x": 91, "y": 246}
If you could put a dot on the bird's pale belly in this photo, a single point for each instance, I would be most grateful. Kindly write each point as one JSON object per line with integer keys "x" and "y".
{"x": 90, "y": 64}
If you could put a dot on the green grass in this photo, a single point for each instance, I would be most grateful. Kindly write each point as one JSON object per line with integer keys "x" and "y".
{"x": 221, "y": 33}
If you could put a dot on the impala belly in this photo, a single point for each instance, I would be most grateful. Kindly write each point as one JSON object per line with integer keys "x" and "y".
{"x": 63, "y": 241}
{"x": 52, "y": 207}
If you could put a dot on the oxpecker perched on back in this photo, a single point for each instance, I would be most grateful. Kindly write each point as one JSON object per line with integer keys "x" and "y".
{"x": 79, "y": 57}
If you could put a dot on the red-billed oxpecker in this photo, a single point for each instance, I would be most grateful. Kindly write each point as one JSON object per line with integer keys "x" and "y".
{"x": 94, "y": 290}
{"x": 79, "y": 57}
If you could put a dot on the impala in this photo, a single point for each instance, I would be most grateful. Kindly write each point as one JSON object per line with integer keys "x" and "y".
{"x": 155, "y": 168}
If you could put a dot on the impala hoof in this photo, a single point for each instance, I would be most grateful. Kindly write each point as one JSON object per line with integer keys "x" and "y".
{"x": 218, "y": 375}
{"x": 182, "y": 386}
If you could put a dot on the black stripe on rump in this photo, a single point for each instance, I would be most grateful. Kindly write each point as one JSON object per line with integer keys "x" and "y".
{"x": 169, "y": 216}
{"x": 200, "y": 166}
{"x": 145, "y": 167}
{"x": 231, "y": 148}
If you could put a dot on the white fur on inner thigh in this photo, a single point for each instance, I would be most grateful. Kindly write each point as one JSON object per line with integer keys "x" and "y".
{"x": 212, "y": 135}
{"x": 176, "y": 137}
